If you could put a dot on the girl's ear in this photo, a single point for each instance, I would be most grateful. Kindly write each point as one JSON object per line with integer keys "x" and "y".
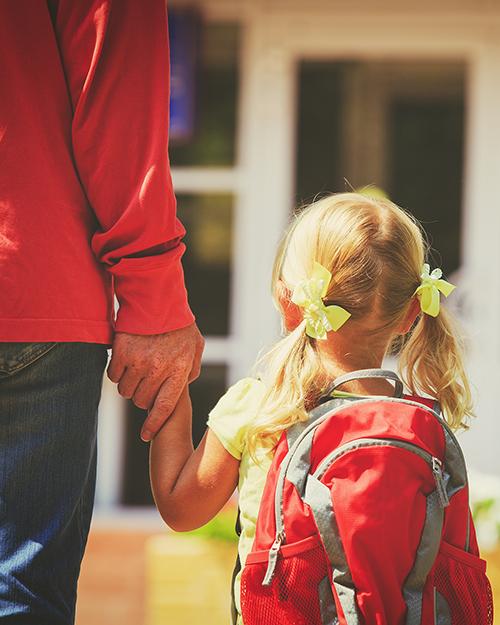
{"x": 291, "y": 313}
{"x": 411, "y": 314}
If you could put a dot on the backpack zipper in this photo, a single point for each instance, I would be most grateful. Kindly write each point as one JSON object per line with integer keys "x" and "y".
{"x": 273, "y": 557}
{"x": 278, "y": 497}
{"x": 435, "y": 464}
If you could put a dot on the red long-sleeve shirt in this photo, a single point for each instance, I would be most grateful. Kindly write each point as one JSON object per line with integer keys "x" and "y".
{"x": 87, "y": 208}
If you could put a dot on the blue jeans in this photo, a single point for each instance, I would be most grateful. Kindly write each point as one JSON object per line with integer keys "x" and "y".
{"x": 49, "y": 394}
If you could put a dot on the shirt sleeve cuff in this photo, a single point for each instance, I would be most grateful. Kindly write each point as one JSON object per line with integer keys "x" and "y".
{"x": 151, "y": 294}
{"x": 223, "y": 439}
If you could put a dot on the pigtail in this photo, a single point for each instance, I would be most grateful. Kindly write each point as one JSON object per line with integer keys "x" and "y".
{"x": 432, "y": 362}
{"x": 291, "y": 372}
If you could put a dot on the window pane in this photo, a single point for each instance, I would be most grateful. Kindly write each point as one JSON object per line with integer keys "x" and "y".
{"x": 136, "y": 490}
{"x": 426, "y": 144}
{"x": 398, "y": 125}
{"x": 207, "y": 262}
{"x": 318, "y": 157}
{"x": 216, "y": 95}
{"x": 205, "y": 393}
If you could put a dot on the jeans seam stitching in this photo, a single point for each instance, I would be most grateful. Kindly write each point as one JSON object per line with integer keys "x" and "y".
{"x": 22, "y": 365}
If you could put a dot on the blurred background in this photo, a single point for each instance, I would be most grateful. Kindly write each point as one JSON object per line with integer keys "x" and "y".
{"x": 273, "y": 103}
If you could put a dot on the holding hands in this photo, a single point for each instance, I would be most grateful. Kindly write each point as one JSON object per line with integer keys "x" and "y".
{"x": 152, "y": 370}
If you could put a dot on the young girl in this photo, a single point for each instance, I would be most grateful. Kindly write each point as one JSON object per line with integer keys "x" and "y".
{"x": 349, "y": 280}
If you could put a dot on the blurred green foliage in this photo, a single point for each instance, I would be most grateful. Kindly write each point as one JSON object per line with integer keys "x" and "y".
{"x": 221, "y": 527}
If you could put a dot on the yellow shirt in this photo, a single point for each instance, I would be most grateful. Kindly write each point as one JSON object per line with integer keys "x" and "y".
{"x": 229, "y": 421}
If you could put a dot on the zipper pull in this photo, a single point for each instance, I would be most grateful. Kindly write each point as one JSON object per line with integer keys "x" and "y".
{"x": 273, "y": 558}
{"x": 437, "y": 469}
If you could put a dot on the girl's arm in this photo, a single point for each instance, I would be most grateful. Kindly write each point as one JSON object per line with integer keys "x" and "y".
{"x": 189, "y": 486}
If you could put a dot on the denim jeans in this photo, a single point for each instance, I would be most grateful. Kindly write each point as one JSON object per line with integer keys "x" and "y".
{"x": 49, "y": 394}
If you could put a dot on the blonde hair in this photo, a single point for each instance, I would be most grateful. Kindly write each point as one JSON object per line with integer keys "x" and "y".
{"x": 375, "y": 252}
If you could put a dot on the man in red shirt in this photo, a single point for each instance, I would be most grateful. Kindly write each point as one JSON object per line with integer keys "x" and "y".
{"x": 87, "y": 211}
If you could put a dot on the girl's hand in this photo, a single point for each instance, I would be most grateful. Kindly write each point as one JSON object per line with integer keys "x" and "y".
{"x": 189, "y": 486}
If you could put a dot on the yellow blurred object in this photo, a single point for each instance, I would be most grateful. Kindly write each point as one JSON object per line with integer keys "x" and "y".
{"x": 372, "y": 191}
{"x": 493, "y": 572}
{"x": 188, "y": 580}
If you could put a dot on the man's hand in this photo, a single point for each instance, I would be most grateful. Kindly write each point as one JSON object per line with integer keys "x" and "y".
{"x": 153, "y": 370}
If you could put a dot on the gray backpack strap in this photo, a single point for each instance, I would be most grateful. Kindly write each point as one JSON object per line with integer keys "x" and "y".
{"x": 297, "y": 428}
{"x": 236, "y": 570}
{"x": 363, "y": 374}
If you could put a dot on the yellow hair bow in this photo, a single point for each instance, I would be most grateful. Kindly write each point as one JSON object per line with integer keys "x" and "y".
{"x": 428, "y": 291}
{"x": 308, "y": 294}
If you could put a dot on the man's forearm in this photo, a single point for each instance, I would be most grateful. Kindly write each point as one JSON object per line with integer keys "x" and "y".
{"x": 116, "y": 60}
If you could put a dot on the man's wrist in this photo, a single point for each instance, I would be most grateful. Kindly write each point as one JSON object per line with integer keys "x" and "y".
{"x": 133, "y": 329}
{"x": 152, "y": 294}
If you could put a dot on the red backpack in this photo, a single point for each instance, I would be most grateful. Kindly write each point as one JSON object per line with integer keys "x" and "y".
{"x": 365, "y": 519}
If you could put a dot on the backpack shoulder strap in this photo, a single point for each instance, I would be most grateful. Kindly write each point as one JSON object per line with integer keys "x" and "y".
{"x": 296, "y": 430}
{"x": 236, "y": 570}
{"x": 433, "y": 404}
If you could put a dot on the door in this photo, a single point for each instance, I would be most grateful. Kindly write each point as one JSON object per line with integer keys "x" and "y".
{"x": 394, "y": 124}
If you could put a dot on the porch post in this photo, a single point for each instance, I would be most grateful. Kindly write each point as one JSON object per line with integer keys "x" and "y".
{"x": 266, "y": 153}
{"x": 481, "y": 249}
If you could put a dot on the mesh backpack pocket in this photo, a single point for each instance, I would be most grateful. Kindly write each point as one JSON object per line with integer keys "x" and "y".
{"x": 462, "y": 592}
{"x": 299, "y": 591}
